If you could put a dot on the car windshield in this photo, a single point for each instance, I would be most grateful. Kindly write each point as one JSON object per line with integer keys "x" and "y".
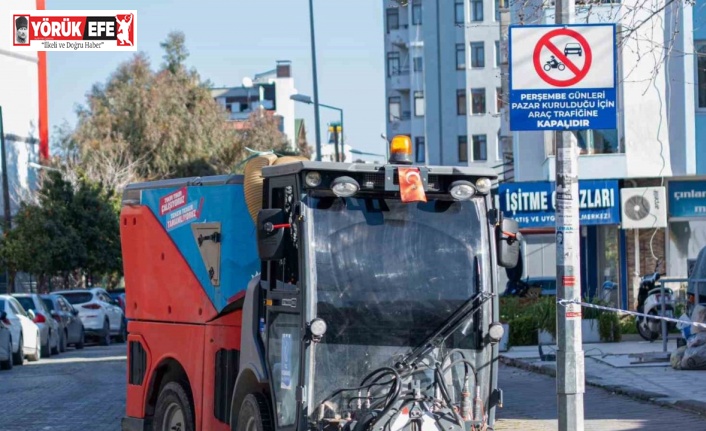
{"x": 78, "y": 297}
{"x": 387, "y": 275}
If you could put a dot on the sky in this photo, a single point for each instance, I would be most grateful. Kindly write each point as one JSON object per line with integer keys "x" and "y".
{"x": 229, "y": 40}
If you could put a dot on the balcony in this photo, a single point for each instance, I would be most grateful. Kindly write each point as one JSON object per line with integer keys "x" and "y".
{"x": 399, "y": 78}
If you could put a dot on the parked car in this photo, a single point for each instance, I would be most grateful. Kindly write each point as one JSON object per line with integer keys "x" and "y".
{"x": 102, "y": 317}
{"x": 48, "y": 327}
{"x": 25, "y": 332}
{"x": 5, "y": 343}
{"x": 70, "y": 325}
{"x": 118, "y": 295}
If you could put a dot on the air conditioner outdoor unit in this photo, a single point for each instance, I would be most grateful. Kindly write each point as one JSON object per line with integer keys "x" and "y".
{"x": 643, "y": 208}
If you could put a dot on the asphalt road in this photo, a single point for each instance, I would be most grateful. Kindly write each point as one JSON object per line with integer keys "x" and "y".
{"x": 79, "y": 390}
{"x": 530, "y": 405}
{"x": 84, "y": 390}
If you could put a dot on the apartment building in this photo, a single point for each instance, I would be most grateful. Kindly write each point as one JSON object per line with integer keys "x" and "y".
{"x": 443, "y": 79}
{"x": 654, "y": 145}
{"x": 269, "y": 91}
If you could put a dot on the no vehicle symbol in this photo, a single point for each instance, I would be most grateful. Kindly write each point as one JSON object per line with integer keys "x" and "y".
{"x": 562, "y": 57}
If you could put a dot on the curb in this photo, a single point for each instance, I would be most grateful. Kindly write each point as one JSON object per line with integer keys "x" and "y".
{"x": 691, "y": 406}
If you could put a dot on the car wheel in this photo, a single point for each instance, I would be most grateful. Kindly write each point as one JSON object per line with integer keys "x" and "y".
{"x": 81, "y": 340}
{"x": 254, "y": 414}
{"x": 7, "y": 365}
{"x": 64, "y": 341}
{"x": 173, "y": 410}
{"x": 122, "y": 336}
{"x": 57, "y": 344}
{"x": 46, "y": 349}
{"x": 18, "y": 357}
{"x": 105, "y": 336}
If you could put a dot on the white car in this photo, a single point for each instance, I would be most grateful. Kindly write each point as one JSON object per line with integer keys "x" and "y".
{"x": 101, "y": 315}
{"x": 24, "y": 331}
{"x": 38, "y": 312}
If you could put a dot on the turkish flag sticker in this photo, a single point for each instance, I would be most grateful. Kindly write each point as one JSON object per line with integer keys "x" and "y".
{"x": 411, "y": 187}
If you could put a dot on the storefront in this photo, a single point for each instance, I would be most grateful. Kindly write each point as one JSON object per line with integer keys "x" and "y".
{"x": 687, "y": 223}
{"x": 532, "y": 204}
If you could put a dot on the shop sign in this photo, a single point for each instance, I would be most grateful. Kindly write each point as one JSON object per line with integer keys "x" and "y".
{"x": 533, "y": 204}
{"x": 687, "y": 198}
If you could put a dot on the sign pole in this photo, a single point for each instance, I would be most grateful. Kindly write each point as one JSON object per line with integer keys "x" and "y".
{"x": 570, "y": 359}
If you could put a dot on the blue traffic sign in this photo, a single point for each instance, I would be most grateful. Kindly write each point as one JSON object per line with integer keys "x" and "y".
{"x": 563, "y": 77}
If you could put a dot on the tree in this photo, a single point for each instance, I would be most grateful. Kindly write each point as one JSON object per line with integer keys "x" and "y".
{"x": 146, "y": 125}
{"x": 70, "y": 229}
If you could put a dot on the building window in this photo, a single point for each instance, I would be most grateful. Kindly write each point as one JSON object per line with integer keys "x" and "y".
{"x": 477, "y": 54}
{"x": 461, "y": 102}
{"x": 477, "y": 9}
{"x": 460, "y": 56}
{"x": 394, "y": 106}
{"x": 499, "y": 103}
{"x": 478, "y": 100}
{"x": 497, "y": 53}
{"x": 417, "y": 12}
{"x": 393, "y": 19}
{"x": 419, "y": 103}
{"x": 497, "y": 10}
{"x": 418, "y": 64}
{"x": 459, "y": 12}
{"x": 393, "y": 63}
{"x": 419, "y": 150}
{"x": 463, "y": 148}
{"x": 701, "y": 67}
{"x": 480, "y": 147}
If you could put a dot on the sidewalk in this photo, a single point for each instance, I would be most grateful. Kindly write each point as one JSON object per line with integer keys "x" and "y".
{"x": 612, "y": 366}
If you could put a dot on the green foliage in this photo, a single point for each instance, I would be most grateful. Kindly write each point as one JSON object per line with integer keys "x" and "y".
{"x": 609, "y": 327}
{"x": 69, "y": 229}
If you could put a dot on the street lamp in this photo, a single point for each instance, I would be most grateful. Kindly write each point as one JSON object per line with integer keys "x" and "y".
{"x": 306, "y": 99}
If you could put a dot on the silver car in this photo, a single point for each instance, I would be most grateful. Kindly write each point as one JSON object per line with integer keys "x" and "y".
{"x": 48, "y": 327}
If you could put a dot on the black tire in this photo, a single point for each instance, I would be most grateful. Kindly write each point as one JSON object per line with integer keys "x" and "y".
{"x": 644, "y": 331}
{"x": 19, "y": 357}
{"x": 55, "y": 350}
{"x": 122, "y": 336}
{"x": 173, "y": 410}
{"x": 7, "y": 365}
{"x": 81, "y": 340}
{"x": 46, "y": 350}
{"x": 64, "y": 342}
{"x": 254, "y": 414}
{"x": 105, "y": 336}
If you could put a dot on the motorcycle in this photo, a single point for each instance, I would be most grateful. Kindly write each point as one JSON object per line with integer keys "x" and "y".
{"x": 554, "y": 64}
{"x": 649, "y": 302}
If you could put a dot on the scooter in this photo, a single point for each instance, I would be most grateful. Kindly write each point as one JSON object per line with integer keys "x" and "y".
{"x": 649, "y": 302}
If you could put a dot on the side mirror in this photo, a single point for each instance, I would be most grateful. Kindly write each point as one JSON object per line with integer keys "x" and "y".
{"x": 270, "y": 234}
{"x": 31, "y": 314}
{"x": 508, "y": 238}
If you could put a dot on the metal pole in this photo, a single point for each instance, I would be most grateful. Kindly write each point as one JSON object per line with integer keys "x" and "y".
{"x": 570, "y": 358}
{"x": 663, "y": 310}
{"x": 317, "y": 121}
{"x": 335, "y": 142}
{"x": 5, "y": 195}
{"x": 343, "y": 148}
